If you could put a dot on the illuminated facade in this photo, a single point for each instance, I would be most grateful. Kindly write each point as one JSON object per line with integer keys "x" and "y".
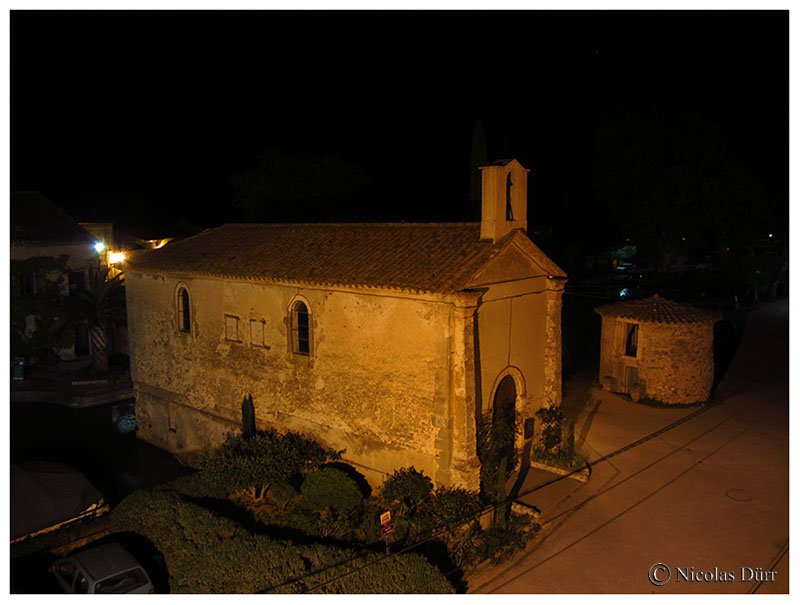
{"x": 658, "y": 349}
{"x": 385, "y": 340}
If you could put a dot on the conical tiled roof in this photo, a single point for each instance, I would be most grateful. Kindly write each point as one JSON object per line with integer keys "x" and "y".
{"x": 658, "y": 310}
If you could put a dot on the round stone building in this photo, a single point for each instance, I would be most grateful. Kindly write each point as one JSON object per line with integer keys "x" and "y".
{"x": 658, "y": 349}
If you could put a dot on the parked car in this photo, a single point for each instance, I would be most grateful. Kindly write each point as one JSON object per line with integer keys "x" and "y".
{"x": 49, "y": 495}
{"x": 106, "y": 569}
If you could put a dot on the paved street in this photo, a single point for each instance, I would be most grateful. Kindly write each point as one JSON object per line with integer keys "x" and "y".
{"x": 703, "y": 491}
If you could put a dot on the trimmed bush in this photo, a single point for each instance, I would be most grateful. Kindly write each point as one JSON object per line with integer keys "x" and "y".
{"x": 206, "y": 552}
{"x": 407, "y": 573}
{"x": 248, "y": 417}
{"x": 330, "y": 488}
{"x": 451, "y": 506}
{"x": 408, "y": 487}
{"x": 254, "y": 463}
{"x": 282, "y": 493}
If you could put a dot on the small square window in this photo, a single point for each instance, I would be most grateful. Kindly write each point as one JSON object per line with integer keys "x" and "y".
{"x": 258, "y": 336}
{"x": 232, "y": 328}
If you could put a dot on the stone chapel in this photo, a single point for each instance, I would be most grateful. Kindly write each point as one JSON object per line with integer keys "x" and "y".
{"x": 386, "y": 340}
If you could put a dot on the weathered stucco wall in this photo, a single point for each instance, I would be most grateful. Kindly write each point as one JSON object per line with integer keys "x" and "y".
{"x": 519, "y": 328}
{"x": 380, "y": 381}
{"x": 675, "y": 362}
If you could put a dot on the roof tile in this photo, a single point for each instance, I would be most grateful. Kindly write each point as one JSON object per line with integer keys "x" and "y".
{"x": 658, "y": 310}
{"x": 432, "y": 257}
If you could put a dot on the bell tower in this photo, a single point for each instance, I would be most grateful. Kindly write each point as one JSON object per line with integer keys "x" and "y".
{"x": 504, "y": 199}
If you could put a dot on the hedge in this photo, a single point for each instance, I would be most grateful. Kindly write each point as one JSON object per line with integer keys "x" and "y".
{"x": 206, "y": 552}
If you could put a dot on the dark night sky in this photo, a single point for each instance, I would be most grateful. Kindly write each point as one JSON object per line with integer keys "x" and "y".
{"x": 142, "y": 117}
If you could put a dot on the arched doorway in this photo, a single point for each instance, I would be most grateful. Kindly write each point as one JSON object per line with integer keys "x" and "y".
{"x": 497, "y": 448}
{"x": 503, "y": 417}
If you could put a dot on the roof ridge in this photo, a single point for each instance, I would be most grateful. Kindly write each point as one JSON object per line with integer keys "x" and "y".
{"x": 361, "y": 224}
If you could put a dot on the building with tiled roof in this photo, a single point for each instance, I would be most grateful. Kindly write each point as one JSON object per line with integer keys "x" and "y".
{"x": 36, "y": 221}
{"x": 48, "y": 250}
{"x": 409, "y": 257}
{"x": 658, "y": 349}
{"x": 385, "y": 340}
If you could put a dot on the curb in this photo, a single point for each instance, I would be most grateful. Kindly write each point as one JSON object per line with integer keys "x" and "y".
{"x": 582, "y": 473}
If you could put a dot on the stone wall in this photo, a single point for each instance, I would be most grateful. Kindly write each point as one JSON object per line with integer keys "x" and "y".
{"x": 675, "y": 362}
{"x": 394, "y": 379}
{"x": 379, "y": 382}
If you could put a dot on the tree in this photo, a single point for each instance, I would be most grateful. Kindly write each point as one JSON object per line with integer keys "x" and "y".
{"x": 100, "y": 306}
{"x": 668, "y": 180}
{"x": 296, "y": 187}
{"x": 497, "y": 431}
{"x": 250, "y": 465}
{"x": 248, "y": 417}
{"x": 38, "y": 308}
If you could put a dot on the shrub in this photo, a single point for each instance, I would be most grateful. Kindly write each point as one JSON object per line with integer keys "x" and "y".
{"x": 330, "y": 488}
{"x": 282, "y": 493}
{"x": 496, "y": 451}
{"x": 407, "y": 573}
{"x": 551, "y": 437}
{"x": 408, "y": 487}
{"x": 254, "y": 463}
{"x": 206, "y": 552}
{"x": 453, "y": 505}
{"x": 501, "y": 541}
{"x": 248, "y": 417}
{"x": 197, "y": 484}
{"x": 563, "y": 453}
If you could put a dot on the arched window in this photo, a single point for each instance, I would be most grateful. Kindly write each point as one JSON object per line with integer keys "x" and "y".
{"x": 631, "y": 339}
{"x": 509, "y": 207}
{"x": 301, "y": 331}
{"x": 184, "y": 317}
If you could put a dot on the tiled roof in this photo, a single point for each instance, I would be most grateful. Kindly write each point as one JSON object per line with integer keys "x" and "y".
{"x": 430, "y": 257}
{"x": 658, "y": 310}
{"x": 35, "y": 219}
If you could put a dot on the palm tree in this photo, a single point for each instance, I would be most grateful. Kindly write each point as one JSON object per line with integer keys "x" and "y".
{"x": 99, "y": 307}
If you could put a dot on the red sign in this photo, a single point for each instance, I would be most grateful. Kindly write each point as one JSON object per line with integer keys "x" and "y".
{"x": 387, "y": 529}
{"x": 386, "y": 517}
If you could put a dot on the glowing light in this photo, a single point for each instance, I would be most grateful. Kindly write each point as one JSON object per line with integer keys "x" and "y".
{"x": 770, "y": 234}
{"x": 623, "y": 293}
{"x": 115, "y": 257}
{"x": 99, "y": 246}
